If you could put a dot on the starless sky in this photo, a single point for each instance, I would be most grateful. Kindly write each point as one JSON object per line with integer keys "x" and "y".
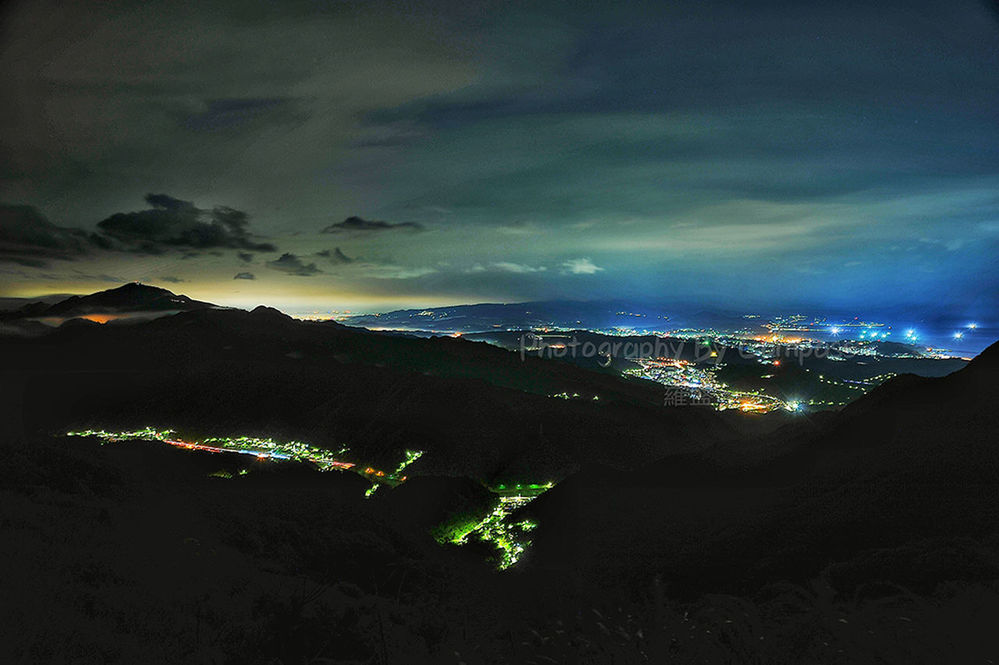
{"x": 338, "y": 154}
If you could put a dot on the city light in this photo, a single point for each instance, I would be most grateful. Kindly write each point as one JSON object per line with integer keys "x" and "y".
{"x": 394, "y": 478}
{"x": 495, "y": 528}
{"x": 699, "y": 385}
{"x": 321, "y": 458}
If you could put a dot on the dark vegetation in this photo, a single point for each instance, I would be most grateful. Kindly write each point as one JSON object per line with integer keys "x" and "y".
{"x": 864, "y": 536}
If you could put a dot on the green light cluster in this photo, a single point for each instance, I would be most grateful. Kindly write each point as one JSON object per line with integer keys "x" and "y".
{"x": 411, "y": 456}
{"x": 298, "y": 451}
{"x": 395, "y": 478}
{"x": 532, "y": 489}
{"x": 508, "y": 537}
{"x": 494, "y": 528}
{"x": 144, "y": 434}
{"x": 321, "y": 458}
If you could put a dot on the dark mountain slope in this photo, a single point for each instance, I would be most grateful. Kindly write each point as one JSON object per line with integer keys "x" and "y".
{"x": 913, "y": 462}
{"x": 475, "y": 409}
{"x": 132, "y": 297}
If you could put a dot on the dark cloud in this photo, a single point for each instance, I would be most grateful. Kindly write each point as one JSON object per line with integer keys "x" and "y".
{"x": 24, "y": 261}
{"x": 244, "y": 275}
{"x": 336, "y": 256}
{"x": 27, "y": 238}
{"x": 171, "y": 279}
{"x": 352, "y": 224}
{"x": 293, "y": 265}
{"x": 172, "y": 223}
{"x": 190, "y": 254}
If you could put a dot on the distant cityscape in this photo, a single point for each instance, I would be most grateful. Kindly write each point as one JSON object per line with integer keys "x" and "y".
{"x": 924, "y": 339}
{"x": 859, "y": 346}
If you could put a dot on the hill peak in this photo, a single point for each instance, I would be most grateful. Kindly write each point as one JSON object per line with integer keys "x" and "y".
{"x": 986, "y": 360}
{"x": 136, "y": 287}
{"x": 131, "y": 297}
{"x": 269, "y": 312}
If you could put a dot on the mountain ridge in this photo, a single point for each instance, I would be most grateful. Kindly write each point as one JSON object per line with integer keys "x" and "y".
{"x": 128, "y": 298}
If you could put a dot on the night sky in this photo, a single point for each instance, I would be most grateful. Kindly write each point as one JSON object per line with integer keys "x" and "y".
{"x": 376, "y": 155}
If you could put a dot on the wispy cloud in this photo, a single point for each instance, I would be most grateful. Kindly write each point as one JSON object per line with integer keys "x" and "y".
{"x": 507, "y": 266}
{"x": 582, "y": 266}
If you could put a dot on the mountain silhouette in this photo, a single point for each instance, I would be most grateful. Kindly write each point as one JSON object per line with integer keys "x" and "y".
{"x": 131, "y": 297}
{"x": 683, "y": 532}
{"x": 476, "y": 409}
{"x": 912, "y": 462}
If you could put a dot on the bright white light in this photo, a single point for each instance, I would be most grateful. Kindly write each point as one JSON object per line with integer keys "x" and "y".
{"x": 972, "y": 325}
{"x": 958, "y": 335}
{"x": 910, "y": 333}
{"x": 834, "y": 331}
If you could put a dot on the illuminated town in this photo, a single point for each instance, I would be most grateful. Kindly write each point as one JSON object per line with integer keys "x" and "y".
{"x": 703, "y": 382}
{"x": 268, "y": 449}
{"x": 322, "y": 459}
{"x": 394, "y": 478}
{"x": 495, "y": 528}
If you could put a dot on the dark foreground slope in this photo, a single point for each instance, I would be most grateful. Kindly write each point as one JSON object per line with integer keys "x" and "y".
{"x": 141, "y": 553}
{"x": 867, "y": 536}
{"x": 832, "y": 550}
{"x": 902, "y": 483}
